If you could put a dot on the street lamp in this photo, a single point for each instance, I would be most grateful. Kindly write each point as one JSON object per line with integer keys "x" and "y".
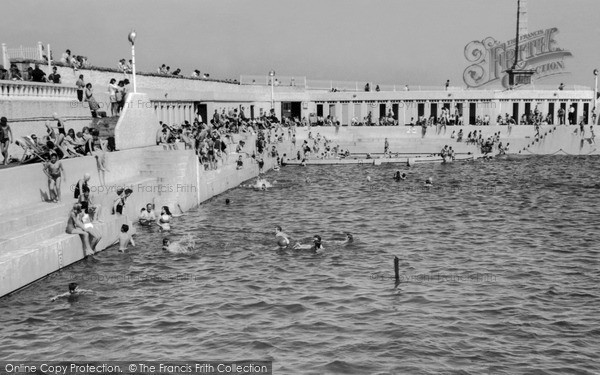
{"x": 596, "y": 92}
{"x": 272, "y": 75}
{"x": 131, "y": 38}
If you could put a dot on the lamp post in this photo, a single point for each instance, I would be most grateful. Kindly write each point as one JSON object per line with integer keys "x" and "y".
{"x": 131, "y": 38}
{"x": 595, "y": 106}
{"x": 272, "y": 75}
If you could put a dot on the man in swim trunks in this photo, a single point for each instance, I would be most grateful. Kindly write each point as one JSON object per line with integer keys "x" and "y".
{"x": 281, "y": 237}
{"x": 54, "y": 170}
{"x": 147, "y": 216}
{"x": 125, "y": 238}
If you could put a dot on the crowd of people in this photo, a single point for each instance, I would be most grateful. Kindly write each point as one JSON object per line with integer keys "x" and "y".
{"x": 57, "y": 141}
{"x": 214, "y": 141}
{"x": 166, "y": 70}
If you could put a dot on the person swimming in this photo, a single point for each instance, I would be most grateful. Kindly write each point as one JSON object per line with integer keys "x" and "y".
{"x": 74, "y": 291}
{"x": 184, "y": 246}
{"x": 429, "y": 182}
{"x": 349, "y": 239}
{"x": 399, "y": 176}
{"x": 262, "y": 184}
{"x": 316, "y": 246}
{"x": 281, "y": 237}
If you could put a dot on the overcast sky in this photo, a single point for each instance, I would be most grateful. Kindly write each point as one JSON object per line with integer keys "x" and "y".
{"x": 384, "y": 41}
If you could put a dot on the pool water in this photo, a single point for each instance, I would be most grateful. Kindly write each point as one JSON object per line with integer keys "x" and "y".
{"x": 499, "y": 274}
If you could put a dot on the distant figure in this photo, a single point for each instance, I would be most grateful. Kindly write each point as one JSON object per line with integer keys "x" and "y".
{"x": 6, "y": 138}
{"x": 74, "y": 291}
{"x": 561, "y": 86}
{"x": 316, "y": 246}
{"x": 281, "y": 237}
{"x": 429, "y": 182}
{"x": 125, "y": 238}
{"x": 447, "y": 84}
{"x": 399, "y": 176}
{"x": 348, "y": 240}
{"x": 227, "y": 201}
{"x": 184, "y": 246}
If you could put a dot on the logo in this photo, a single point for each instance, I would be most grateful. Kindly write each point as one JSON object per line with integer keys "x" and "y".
{"x": 490, "y": 58}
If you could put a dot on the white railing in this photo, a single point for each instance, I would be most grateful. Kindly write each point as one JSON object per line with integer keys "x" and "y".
{"x": 289, "y": 81}
{"x": 355, "y": 86}
{"x": 33, "y": 53}
{"x": 24, "y": 89}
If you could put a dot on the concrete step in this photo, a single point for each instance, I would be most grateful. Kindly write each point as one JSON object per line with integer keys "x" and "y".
{"x": 166, "y": 165}
{"x": 170, "y": 153}
{"x": 32, "y": 234}
{"x": 165, "y": 174}
{"x": 32, "y": 216}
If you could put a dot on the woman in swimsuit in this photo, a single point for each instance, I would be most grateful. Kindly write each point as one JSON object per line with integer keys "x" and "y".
{"x": 75, "y": 226}
{"x": 89, "y": 227}
{"x": 165, "y": 218}
{"x": 120, "y": 201}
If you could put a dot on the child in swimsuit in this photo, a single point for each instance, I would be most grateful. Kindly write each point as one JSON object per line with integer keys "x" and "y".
{"x": 54, "y": 170}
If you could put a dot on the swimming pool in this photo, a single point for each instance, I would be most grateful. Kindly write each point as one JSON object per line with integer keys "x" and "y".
{"x": 498, "y": 263}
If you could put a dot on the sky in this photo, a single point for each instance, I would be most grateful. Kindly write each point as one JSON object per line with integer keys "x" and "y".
{"x": 415, "y": 42}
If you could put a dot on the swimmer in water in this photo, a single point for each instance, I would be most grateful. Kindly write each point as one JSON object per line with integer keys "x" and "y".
{"x": 281, "y": 237}
{"x": 184, "y": 246}
{"x": 74, "y": 291}
{"x": 316, "y": 246}
{"x": 125, "y": 238}
{"x": 429, "y": 182}
{"x": 349, "y": 239}
{"x": 399, "y": 176}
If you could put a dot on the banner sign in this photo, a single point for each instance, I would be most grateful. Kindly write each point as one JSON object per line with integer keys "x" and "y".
{"x": 490, "y": 58}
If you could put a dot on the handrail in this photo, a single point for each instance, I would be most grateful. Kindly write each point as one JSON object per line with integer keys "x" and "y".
{"x": 36, "y": 90}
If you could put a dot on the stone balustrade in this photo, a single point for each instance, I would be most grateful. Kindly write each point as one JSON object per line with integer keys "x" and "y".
{"x": 26, "y": 89}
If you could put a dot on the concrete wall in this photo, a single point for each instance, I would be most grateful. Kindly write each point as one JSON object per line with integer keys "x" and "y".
{"x": 27, "y": 184}
{"x": 137, "y": 125}
{"x": 403, "y": 140}
{"x": 27, "y": 116}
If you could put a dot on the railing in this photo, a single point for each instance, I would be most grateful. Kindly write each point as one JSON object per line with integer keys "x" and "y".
{"x": 36, "y": 90}
{"x": 265, "y": 80}
{"x": 34, "y": 53}
{"x": 355, "y": 86}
